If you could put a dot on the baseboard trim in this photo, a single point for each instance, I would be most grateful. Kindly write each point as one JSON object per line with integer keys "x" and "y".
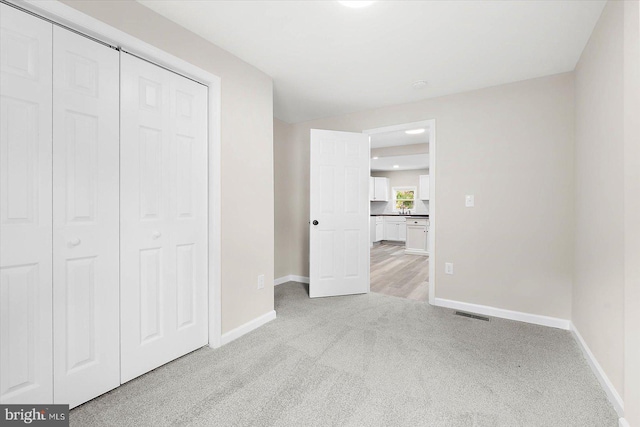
{"x": 486, "y": 310}
{"x": 251, "y": 325}
{"x": 609, "y": 389}
{"x": 290, "y": 278}
{"x": 416, "y": 252}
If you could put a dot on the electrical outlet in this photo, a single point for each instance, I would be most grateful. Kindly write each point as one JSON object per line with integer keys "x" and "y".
{"x": 261, "y": 281}
{"x": 469, "y": 200}
{"x": 448, "y": 267}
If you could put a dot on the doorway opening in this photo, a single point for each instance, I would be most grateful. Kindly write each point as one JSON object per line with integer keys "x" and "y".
{"x": 402, "y": 210}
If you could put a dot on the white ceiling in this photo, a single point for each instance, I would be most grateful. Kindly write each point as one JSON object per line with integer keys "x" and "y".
{"x": 411, "y": 162}
{"x": 326, "y": 59}
{"x": 396, "y": 138}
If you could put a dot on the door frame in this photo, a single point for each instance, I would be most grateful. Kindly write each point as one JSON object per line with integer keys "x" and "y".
{"x": 430, "y": 126}
{"x": 66, "y": 16}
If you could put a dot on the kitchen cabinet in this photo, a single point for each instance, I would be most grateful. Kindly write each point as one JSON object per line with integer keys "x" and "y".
{"x": 395, "y": 228}
{"x": 378, "y": 189}
{"x": 424, "y": 187}
{"x": 372, "y": 230}
{"x": 417, "y": 231}
{"x": 402, "y": 232}
{"x": 372, "y": 188}
{"x": 379, "y": 229}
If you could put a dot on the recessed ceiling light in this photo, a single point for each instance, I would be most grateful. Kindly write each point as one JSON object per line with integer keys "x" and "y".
{"x": 414, "y": 131}
{"x": 356, "y": 4}
{"x": 396, "y": 166}
{"x": 419, "y": 84}
{"x": 375, "y": 158}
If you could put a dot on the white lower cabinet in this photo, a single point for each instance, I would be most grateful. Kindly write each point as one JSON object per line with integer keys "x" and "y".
{"x": 379, "y": 229}
{"x": 417, "y": 236}
{"x": 395, "y": 228}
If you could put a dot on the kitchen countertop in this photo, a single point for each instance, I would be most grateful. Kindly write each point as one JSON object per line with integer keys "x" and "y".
{"x": 409, "y": 216}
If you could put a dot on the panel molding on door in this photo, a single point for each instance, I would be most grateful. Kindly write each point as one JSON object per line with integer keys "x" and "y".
{"x": 163, "y": 216}
{"x": 86, "y": 296}
{"x": 25, "y": 211}
{"x": 339, "y": 202}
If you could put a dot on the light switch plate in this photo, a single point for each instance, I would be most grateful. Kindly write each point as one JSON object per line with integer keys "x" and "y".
{"x": 261, "y": 281}
{"x": 469, "y": 200}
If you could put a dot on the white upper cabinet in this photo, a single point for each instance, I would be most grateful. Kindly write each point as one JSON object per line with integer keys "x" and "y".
{"x": 424, "y": 187}
{"x": 379, "y": 189}
{"x": 372, "y": 188}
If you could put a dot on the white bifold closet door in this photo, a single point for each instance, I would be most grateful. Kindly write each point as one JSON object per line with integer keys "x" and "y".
{"x": 163, "y": 217}
{"x": 86, "y": 297}
{"x": 25, "y": 209}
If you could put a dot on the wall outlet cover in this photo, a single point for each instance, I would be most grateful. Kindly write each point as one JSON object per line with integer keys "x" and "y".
{"x": 448, "y": 267}
{"x": 469, "y": 200}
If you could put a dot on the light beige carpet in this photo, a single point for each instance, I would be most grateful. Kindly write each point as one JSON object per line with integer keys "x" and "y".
{"x": 367, "y": 360}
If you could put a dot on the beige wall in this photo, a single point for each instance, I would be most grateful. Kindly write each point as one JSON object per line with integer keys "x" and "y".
{"x": 247, "y": 153}
{"x": 282, "y": 160}
{"x": 632, "y": 211}
{"x": 598, "y": 290}
{"x": 512, "y": 147}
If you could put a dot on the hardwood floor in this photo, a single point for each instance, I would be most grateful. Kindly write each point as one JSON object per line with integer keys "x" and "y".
{"x": 397, "y": 274}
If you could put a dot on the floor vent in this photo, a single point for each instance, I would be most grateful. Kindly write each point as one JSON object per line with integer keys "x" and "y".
{"x": 472, "y": 316}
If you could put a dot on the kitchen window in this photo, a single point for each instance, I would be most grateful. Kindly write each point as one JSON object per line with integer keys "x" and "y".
{"x": 404, "y": 198}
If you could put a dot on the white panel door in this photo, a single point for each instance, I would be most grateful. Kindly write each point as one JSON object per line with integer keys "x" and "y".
{"x": 339, "y": 207}
{"x": 85, "y": 218}
{"x": 25, "y": 208}
{"x": 163, "y": 216}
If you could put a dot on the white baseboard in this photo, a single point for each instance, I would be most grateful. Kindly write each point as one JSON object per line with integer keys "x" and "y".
{"x": 609, "y": 389}
{"x": 416, "y": 252}
{"x": 536, "y": 319}
{"x": 290, "y": 278}
{"x": 247, "y": 327}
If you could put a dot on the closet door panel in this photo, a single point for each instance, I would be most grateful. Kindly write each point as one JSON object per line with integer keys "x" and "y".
{"x": 25, "y": 209}
{"x": 163, "y": 216}
{"x": 85, "y": 218}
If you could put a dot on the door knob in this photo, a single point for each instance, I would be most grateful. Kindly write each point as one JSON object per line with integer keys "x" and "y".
{"x": 156, "y": 235}
{"x": 315, "y": 222}
{"x": 74, "y": 242}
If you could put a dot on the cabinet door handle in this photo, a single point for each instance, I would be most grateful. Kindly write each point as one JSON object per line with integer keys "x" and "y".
{"x": 74, "y": 242}
{"x": 156, "y": 235}
{"x": 315, "y": 222}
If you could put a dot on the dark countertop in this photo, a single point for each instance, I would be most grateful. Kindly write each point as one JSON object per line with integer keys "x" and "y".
{"x": 408, "y": 216}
